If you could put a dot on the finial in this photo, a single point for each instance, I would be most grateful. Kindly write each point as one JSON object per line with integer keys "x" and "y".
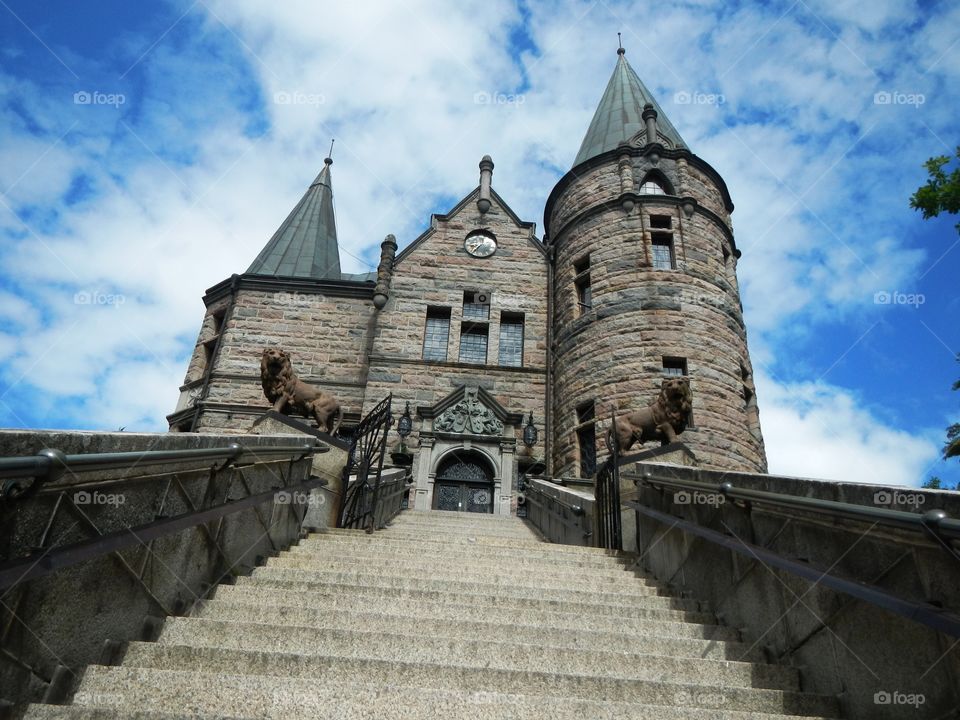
{"x": 620, "y": 50}
{"x": 328, "y": 160}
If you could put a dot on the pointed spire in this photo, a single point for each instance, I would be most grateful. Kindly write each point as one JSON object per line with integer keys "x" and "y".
{"x": 620, "y": 114}
{"x": 305, "y": 245}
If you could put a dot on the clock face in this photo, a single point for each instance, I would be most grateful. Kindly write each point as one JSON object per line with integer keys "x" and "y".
{"x": 480, "y": 245}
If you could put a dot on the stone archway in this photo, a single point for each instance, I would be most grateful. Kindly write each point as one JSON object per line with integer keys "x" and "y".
{"x": 464, "y": 483}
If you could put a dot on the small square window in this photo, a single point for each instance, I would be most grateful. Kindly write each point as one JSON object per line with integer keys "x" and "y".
{"x": 664, "y": 222}
{"x": 675, "y": 366}
{"x": 476, "y": 305}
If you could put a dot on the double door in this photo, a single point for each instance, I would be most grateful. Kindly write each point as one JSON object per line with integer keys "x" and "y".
{"x": 463, "y": 496}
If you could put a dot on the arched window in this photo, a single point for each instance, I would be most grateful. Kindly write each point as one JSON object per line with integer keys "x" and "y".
{"x": 652, "y": 187}
{"x": 655, "y": 183}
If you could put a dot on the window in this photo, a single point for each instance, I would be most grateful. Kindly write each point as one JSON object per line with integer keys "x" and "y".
{"x": 663, "y": 251}
{"x": 511, "y": 340}
{"x": 587, "y": 439}
{"x": 436, "y": 334}
{"x": 664, "y": 222}
{"x": 652, "y": 187}
{"x": 476, "y": 305}
{"x": 674, "y": 366}
{"x": 581, "y": 282}
{"x": 677, "y": 367}
{"x": 473, "y": 343}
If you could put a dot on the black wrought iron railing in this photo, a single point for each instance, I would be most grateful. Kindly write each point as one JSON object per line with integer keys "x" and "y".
{"x": 367, "y": 502}
{"x": 607, "y": 492}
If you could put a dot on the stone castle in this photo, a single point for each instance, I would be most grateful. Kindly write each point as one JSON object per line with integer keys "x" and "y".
{"x": 483, "y": 328}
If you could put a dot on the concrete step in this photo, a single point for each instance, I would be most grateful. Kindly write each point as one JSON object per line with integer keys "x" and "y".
{"x": 534, "y": 567}
{"x": 293, "y": 695}
{"x": 655, "y": 642}
{"x": 426, "y": 611}
{"x": 451, "y": 567}
{"x": 370, "y": 593}
{"x": 199, "y": 632}
{"x": 626, "y": 596}
{"x": 545, "y": 553}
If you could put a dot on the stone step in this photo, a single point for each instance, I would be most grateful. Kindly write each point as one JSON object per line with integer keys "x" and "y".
{"x": 535, "y": 567}
{"x": 495, "y": 573}
{"x": 655, "y": 641}
{"x": 199, "y": 632}
{"x": 419, "y": 519}
{"x": 296, "y": 694}
{"x": 478, "y": 584}
{"x": 392, "y": 535}
{"x": 383, "y": 545}
{"x": 422, "y": 610}
{"x": 491, "y": 598}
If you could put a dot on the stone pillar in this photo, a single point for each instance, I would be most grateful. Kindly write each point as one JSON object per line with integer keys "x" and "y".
{"x": 508, "y": 480}
{"x": 421, "y": 473}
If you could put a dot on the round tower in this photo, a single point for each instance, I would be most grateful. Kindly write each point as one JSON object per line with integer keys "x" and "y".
{"x": 644, "y": 286}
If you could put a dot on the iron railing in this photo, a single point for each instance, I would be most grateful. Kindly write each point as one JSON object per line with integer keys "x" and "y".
{"x": 607, "y": 493}
{"x": 361, "y": 505}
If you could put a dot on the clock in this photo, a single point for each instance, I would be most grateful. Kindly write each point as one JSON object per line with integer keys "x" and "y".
{"x": 480, "y": 244}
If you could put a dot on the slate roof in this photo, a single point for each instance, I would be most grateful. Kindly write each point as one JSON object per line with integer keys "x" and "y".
{"x": 619, "y": 115}
{"x": 305, "y": 245}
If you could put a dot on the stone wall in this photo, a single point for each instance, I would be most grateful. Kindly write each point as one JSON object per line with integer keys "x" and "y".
{"x": 63, "y": 619}
{"x": 327, "y": 336}
{"x": 613, "y": 353}
{"x": 843, "y": 646}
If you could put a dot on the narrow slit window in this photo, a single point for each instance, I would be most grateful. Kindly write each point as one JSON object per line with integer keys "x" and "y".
{"x": 587, "y": 439}
{"x": 511, "y": 340}
{"x": 582, "y": 285}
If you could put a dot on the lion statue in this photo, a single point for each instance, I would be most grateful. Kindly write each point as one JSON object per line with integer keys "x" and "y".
{"x": 288, "y": 393}
{"x": 663, "y": 420}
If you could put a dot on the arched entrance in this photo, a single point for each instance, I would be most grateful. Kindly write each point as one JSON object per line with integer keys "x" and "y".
{"x": 464, "y": 483}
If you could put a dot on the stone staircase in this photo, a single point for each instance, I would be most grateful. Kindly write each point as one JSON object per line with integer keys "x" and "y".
{"x": 443, "y": 615}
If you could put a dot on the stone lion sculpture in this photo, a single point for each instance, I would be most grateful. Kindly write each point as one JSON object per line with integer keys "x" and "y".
{"x": 288, "y": 393}
{"x": 663, "y": 420}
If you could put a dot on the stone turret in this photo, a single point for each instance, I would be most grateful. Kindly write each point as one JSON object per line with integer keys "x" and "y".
{"x": 644, "y": 286}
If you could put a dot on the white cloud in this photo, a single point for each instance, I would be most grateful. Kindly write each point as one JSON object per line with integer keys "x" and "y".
{"x": 813, "y": 429}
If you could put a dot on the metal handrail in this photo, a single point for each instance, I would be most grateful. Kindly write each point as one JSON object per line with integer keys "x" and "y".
{"x": 936, "y": 521}
{"x": 575, "y": 509}
{"x": 934, "y": 617}
{"x": 50, "y": 464}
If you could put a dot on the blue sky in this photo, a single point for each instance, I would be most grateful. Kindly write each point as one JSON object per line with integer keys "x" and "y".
{"x": 150, "y": 149}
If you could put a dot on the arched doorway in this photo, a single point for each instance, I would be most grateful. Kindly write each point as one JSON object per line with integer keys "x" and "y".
{"x": 464, "y": 483}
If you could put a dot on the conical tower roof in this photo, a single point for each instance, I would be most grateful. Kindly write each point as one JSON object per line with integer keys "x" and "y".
{"x": 619, "y": 115}
{"x": 305, "y": 245}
